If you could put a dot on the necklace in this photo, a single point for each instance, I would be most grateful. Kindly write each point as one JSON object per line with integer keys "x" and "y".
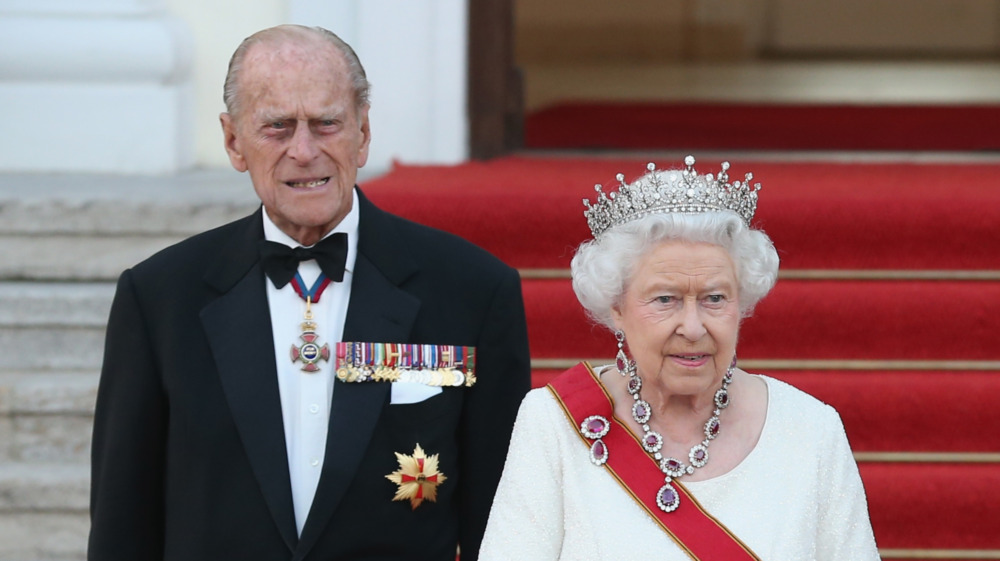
{"x": 667, "y": 498}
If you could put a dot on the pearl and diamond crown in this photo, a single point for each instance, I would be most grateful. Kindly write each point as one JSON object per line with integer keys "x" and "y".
{"x": 666, "y": 191}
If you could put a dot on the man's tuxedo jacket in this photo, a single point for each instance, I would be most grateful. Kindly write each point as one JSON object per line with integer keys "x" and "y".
{"x": 189, "y": 457}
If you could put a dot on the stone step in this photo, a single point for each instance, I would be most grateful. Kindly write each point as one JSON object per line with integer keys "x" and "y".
{"x": 48, "y": 393}
{"x": 39, "y": 348}
{"x": 47, "y": 417}
{"x": 53, "y": 326}
{"x": 50, "y": 536}
{"x": 46, "y": 438}
{"x": 42, "y": 487}
{"x": 180, "y": 205}
{"x": 43, "y": 304}
{"x": 93, "y": 227}
{"x": 78, "y": 257}
{"x": 43, "y": 511}
{"x": 51, "y": 341}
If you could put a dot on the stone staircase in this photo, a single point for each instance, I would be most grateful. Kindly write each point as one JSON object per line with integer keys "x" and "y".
{"x": 63, "y": 242}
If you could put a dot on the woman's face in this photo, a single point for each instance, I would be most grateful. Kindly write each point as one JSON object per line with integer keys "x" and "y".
{"x": 680, "y": 313}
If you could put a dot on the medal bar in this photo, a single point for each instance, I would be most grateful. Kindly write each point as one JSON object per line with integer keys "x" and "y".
{"x": 431, "y": 365}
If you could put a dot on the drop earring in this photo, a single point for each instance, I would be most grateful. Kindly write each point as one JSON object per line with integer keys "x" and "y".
{"x": 624, "y": 365}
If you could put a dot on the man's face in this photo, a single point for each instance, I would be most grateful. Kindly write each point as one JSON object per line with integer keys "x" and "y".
{"x": 299, "y": 134}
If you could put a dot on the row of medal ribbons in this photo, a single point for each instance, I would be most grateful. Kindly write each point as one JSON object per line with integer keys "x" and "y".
{"x": 432, "y": 365}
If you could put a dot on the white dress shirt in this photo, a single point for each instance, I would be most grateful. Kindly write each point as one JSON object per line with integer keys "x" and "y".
{"x": 305, "y": 396}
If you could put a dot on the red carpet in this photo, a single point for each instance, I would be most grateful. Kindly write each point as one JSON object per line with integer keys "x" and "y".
{"x": 693, "y": 126}
{"x": 822, "y": 216}
{"x": 852, "y": 320}
{"x": 529, "y": 211}
{"x": 878, "y": 407}
{"x": 934, "y": 506}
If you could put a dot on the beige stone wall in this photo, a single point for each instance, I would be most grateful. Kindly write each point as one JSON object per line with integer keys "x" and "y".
{"x": 886, "y": 27}
{"x": 574, "y": 31}
{"x": 656, "y": 31}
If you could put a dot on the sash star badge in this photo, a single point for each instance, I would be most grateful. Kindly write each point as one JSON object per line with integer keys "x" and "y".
{"x": 417, "y": 477}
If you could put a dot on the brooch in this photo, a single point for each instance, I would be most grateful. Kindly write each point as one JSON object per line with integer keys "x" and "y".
{"x": 417, "y": 477}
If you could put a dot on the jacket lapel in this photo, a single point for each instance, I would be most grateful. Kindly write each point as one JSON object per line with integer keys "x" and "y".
{"x": 238, "y": 328}
{"x": 379, "y": 311}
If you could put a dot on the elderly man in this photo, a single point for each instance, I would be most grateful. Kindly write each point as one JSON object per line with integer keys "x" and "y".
{"x": 320, "y": 380}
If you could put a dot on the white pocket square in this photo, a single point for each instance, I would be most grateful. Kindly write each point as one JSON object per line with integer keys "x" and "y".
{"x": 411, "y": 392}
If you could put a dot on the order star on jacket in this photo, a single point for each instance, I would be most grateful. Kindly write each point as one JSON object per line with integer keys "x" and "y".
{"x": 417, "y": 477}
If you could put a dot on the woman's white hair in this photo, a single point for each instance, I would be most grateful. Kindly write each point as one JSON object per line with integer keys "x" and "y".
{"x": 603, "y": 268}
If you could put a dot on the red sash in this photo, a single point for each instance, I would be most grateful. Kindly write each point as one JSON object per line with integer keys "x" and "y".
{"x": 700, "y": 535}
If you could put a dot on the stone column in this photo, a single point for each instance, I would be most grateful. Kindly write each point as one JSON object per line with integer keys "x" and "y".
{"x": 415, "y": 54}
{"x": 100, "y": 86}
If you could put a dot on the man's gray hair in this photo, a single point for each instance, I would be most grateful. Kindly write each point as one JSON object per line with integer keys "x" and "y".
{"x": 359, "y": 81}
{"x": 602, "y": 270}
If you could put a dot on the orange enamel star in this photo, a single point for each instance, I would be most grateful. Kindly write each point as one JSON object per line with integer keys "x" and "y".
{"x": 417, "y": 477}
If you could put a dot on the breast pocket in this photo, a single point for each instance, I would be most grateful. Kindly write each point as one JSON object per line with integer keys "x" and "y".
{"x": 411, "y": 392}
{"x": 444, "y": 407}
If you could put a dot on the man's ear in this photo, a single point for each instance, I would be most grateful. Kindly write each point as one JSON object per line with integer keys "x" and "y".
{"x": 366, "y": 136}
{"x": 231, "y": 142}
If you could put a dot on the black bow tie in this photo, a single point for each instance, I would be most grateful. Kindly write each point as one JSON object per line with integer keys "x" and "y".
{"x": 280, "y": 262}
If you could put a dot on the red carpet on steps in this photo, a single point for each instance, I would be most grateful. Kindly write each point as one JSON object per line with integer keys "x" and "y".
{"x": 883, "y": 320}
{"x": 878, "y": 408}
{"x": 529, "y": 212}
{"x": 824, "y": 216}
{"x": 954, "y": 506}
{"x": 720, "y": 126}
{"x": 898, "y": 411}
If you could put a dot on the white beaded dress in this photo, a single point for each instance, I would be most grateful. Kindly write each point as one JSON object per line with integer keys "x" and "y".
{"x": 796, "y": 497}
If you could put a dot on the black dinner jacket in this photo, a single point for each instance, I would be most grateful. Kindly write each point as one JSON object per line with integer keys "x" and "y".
{"x": 189, "y": 457}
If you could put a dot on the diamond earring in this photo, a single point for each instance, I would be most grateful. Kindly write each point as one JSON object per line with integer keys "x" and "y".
{"x": 622, "y": 362}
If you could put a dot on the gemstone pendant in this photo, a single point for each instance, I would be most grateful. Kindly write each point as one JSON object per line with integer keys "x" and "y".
{"x": 667, "y": 498}
{"x": 672, "y": 467}
{"x": 595, "y": 426}
{"x": 652, "y": 442}
{"x": 641, "y": 412}
{"x": 598, "y": 453}
{"x": 621, "y": 362}
{"x": 722, "y": 398}
{"x": 712, "y": 428}
{"x": 634, "y": 385}
{"x": 698, "y": 456}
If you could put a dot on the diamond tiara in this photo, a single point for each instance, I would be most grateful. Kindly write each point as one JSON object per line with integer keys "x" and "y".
{"x": 667, "y": 191}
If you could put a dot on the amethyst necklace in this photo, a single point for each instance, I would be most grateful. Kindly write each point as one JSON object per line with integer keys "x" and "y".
{"x": 595, "y": 427}
{"x": 667, "y": 498}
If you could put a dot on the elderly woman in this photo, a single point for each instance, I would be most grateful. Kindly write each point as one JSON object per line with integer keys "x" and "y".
{"x": 674, "y": 452}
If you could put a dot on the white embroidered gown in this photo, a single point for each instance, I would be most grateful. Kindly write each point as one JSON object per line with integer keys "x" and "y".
{"x": 796, "y": 497}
